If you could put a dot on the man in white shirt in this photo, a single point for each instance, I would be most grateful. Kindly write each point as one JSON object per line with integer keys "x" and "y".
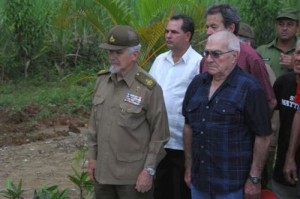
{"x": 174, "y": 70}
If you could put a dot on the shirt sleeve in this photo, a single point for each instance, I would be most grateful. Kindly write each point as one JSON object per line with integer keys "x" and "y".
{"x": 258, "y": 115}
{"x": 92, "y": 135}
{"x": 188, "y": 95}
{"x": 92, "y": 139}
{"x": 159, "y": 128}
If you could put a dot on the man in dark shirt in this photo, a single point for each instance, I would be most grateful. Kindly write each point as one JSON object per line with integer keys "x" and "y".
{"x": 227, "y": 126}
{"x": 285, "y": 88}
{"x": 225, "y": 17}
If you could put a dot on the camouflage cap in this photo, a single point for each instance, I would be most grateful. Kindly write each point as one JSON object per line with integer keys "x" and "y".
{"x": 120, "y": 37}
{"x": 245, "y": 31}
{"x": 291, "y": 13}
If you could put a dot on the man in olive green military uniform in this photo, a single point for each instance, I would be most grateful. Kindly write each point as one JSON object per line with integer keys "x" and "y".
{"x": 278, "y": 53}
{"x": 128, "y": 125}
{"x": 246, "y": 35}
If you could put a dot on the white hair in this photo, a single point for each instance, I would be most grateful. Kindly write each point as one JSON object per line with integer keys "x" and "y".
{"x": 232, "y": 42}
{"x": 134, "y": 48}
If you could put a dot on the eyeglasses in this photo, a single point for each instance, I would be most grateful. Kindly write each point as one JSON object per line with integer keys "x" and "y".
{"x": 215, "y": 53}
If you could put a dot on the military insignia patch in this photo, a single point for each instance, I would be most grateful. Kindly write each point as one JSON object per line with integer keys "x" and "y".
{"x": 145, "y": 79}
{"x": 112, "y": 39}
{"x": 102, "y": 72}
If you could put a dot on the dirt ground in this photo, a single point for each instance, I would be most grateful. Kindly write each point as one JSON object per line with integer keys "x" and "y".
{"x": 41, "y": 154}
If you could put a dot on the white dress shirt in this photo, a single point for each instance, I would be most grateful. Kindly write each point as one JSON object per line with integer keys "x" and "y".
{"x": 174, "y": 79}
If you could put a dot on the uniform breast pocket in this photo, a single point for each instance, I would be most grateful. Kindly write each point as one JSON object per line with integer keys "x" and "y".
{"x": 98, "y": 107}
{"x": 131, "y": 116}
{"x": 226, "y": 112}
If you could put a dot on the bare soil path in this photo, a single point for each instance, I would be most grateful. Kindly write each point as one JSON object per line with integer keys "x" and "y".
{"x": 42, "y": 154}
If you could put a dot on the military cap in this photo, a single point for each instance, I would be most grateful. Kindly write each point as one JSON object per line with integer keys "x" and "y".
{"x": 120, "y": 37}
{"x": 246, "y": 31}
{"x": 291, "y": 13}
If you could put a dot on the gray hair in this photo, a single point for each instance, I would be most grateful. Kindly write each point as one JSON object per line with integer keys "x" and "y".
{"x": 134, "y": 48}
{"x": 233, "y": 43}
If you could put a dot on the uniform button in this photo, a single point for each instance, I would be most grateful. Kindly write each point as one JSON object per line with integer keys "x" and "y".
{"x": 207, "y": 107}
{"x": 203, "y": 120}
{"x": 202, "y": 161}
{"x": 201, "y": 132}
{"x": 202, "y": 147}
{"x": 223, "y": 110}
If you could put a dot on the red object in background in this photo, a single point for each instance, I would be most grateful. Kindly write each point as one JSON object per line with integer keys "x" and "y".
{"x": 267, "y": 194}
{"x": 297, "y": 96}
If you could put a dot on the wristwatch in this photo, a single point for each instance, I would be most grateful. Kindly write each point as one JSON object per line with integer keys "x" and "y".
{"x": 150, "y": 171}
{"x": 254, "y": 179}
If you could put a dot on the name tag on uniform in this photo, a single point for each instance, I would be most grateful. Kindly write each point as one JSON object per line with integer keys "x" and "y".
{"x": 133, "y": 99}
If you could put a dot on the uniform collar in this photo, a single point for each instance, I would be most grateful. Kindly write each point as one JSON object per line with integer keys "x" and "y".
{"x": 273, "y": 44}
{"x": 129, "y": 77}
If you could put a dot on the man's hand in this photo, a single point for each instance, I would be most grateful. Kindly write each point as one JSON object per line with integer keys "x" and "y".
{"x": 144, "y": 182}
{"x": 187, "y": 177}
{"x": 290, "y": 170}
{"x": 252, "y": 191}
{"x": 91, "y": 168}
{"x": 286, "y": 61}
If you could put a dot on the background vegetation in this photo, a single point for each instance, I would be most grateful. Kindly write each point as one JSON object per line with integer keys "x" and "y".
{"x": 49, "y": 50}
{"x": 49, "y": 54}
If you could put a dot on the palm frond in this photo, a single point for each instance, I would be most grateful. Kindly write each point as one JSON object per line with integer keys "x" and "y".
{"x": 118, "y": 11}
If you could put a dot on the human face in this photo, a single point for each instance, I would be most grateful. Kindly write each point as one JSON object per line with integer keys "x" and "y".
{"x": 221, "y": 65}
{"x": 121, "y": 61}
{"x": 214, "y": 23}
{"x": 296, "y": 60}
{"x": 286, "y": 29}
{"x": 175, "y": 37}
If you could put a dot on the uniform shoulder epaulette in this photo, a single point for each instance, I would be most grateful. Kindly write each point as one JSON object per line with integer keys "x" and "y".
{"x": 103, "y": 72}
{"x": 145, "y": 79}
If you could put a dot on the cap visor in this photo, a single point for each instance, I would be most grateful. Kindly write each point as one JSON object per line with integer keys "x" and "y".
{"x": 111, "y": 47}
{"x": 287, "y": 17}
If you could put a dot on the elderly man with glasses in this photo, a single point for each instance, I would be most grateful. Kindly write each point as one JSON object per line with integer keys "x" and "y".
{"x": 226, "y": 17}
{"x": 227, "y": 128}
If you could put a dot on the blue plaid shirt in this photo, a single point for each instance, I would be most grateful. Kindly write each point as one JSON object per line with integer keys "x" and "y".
{"x": 224, "y": 129}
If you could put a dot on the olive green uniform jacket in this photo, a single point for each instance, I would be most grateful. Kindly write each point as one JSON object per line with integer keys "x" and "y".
{"x": 271, "y": 56}
{"x": 128, "y": 126}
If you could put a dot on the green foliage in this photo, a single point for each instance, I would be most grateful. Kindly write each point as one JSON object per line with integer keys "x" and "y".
{"x": 81, "y": 156}
{"x": 26, "y": 22}
{"x": 261, "y": 16}
{"x": 50, "y": 192}
{"x": 82, "y": 181}
{"x": 146, "y": 17}
{"x": 12, "y": 191}
{"x": 38, "y": 37}
{"x": 81, "y": 178}
{"x": 52, "y": 98}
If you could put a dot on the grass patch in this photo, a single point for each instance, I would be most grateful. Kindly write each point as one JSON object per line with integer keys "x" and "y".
{"x": 52, "y": 98}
